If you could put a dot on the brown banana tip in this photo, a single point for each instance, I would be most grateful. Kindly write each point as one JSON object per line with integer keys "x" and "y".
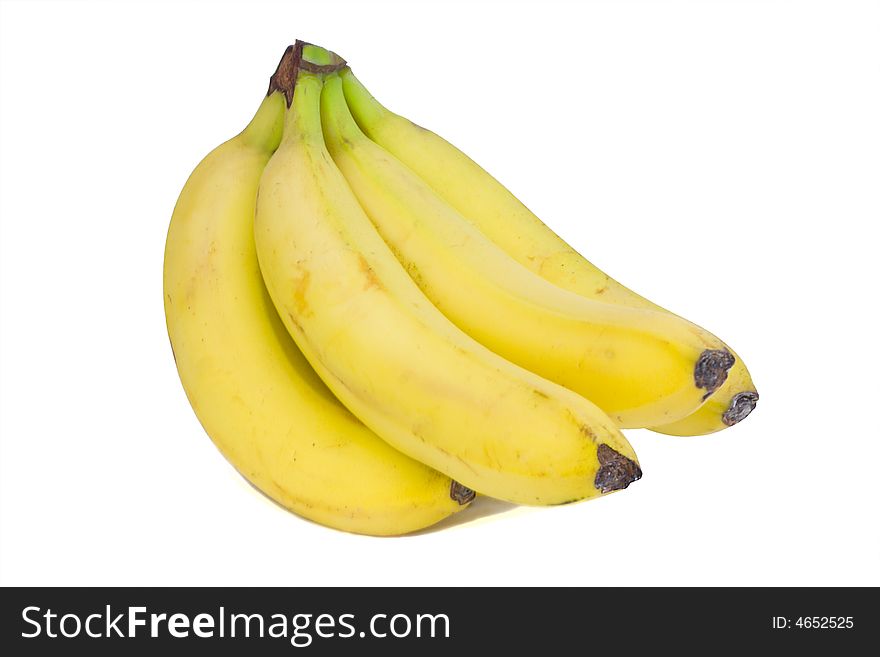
{"x": 616, "y": 471}
{"x": 461, "y": 494}
{"x": 284, "y": 77}
{"x": 740, "y": 406}
{"x": 710, "y": 372}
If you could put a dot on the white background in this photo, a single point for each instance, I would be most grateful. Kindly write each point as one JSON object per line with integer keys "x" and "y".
{"x": 722, "y": 158}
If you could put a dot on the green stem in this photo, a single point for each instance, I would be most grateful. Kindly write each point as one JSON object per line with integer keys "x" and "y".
{"x": 316, "y": 59}
{"x": 339, "y": 125}
{"x": 316, "y": 54}
{"x": 303, "y": 121}
{"x": 367, "y": 111}
{"x": 265, "y": 129}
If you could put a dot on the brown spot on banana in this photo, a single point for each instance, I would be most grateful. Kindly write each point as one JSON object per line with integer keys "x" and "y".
{"x": 371, "y": 279}
{"x": 588, "y": 432}
{"x": 299, "y": 293}
{"x": 294, "y": 321}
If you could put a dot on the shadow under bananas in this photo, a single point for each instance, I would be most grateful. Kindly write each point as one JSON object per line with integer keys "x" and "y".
{"x": 481, "y": 507}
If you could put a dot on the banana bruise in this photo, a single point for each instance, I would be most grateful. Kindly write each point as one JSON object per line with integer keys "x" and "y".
{"x": 253, "y": 391}
{"x": 502, "y": 218}
{"x": 396, "y": 362}
{"x": 642, "y": 367}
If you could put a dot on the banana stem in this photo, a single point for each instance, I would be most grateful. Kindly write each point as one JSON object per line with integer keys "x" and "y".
{"x": 306, "y": 57}
{"x": 321, "y": 61}
{"x": 265, "y": 129}
{"x": 340, "y": 128}
{"x": 366, "y": 109}
{"x": 284, "y": 78}
{"x": 303, "y": 121}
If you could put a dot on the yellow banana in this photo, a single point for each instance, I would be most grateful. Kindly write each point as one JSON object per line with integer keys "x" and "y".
{"x": 395, "y": 361}
{"x": 641, "y": 367}
{"x": 253, "y": 391}
{"x": 501, "y": 217}
{"x": 733, "y": 402}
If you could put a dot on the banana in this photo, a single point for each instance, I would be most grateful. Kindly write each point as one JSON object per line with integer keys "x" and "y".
{"x": 641, "y": 367}
{"x": 733, "y": 402}
{"x": 253, "y": 391}
{"x": 490, "y": 207}
{"x": 395, "y": 361}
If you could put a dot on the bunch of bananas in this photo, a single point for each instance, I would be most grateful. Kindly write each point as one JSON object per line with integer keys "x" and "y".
{"x": 370, "y": 327}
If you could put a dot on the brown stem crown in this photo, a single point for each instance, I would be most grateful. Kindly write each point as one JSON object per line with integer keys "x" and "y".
{"x": 284, "y": 78}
